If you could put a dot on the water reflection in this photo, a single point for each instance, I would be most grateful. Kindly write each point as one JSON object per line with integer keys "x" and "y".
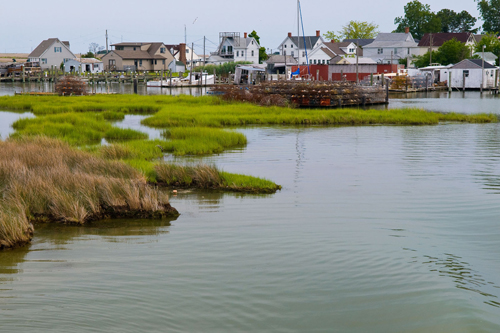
{"x": 11, "y": 88}
{"x": 463, "y": 275}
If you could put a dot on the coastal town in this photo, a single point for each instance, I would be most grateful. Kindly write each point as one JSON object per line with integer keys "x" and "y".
{"x": 363, "y": 56}
{"x": 277, "y": 166}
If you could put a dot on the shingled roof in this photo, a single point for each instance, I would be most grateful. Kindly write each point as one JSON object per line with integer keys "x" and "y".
{"x": 44, "y": 45}
{"x": 439, "y": 38}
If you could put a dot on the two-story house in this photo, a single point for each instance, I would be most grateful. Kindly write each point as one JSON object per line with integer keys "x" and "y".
{"x": 138, "y": 57}
{"x": 233, "y": 48}
{"x": 51, "y": 53}
{"x": 322, "y": 54}
{"x": 297, "y": 46}
{"x": 389, "y": 48}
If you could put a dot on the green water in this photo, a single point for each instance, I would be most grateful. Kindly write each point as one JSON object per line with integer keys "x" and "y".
{"x": 377, "y": 229}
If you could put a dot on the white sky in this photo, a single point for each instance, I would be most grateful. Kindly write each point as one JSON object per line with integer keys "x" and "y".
{"x": 23, "y": 25}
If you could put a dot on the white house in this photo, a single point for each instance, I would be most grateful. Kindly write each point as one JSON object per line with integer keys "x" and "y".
{"x": 233, "y": 48}
{"x": 297, "y": 46}
{"x": 472, "y": 70}
{"x": 321, "y": 55}
{"x": 436, "y": 40}
{"x": 51, "y": 52}
{"x": 391, "y": 47}
{"x": 84, "y": 65}
{"x": 489, "y": 57}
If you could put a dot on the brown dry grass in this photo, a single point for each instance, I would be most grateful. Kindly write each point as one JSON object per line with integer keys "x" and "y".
{"x": 7, "y": 57}
{"x": 43, "y": 179}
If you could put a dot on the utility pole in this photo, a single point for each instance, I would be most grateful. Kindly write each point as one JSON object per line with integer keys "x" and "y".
{"x": 204, "y": 55}
{"x": 430, "y": 48}
{"x": 191, "y": 74}
{"x": 106, "y": 41}
{"x": 185, "y": 35}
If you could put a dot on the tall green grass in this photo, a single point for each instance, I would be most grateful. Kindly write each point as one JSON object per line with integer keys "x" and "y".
{"x": 75, "y": 128}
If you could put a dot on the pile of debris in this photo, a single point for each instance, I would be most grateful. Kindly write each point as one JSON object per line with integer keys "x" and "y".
{"x": 70, "y": 85}
{"x": 305, "y": 94}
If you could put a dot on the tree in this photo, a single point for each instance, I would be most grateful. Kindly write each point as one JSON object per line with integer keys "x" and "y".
{"x": 451, "y": 52}
{"x": 354, "y": 30}
{"x": 456, "y": 22}
{"x": 491, "y": 43}
{"x": 490, "y": 13}
{"x": 419, "y": 18}
{"x": 262, "y": 50}
{"x": 94, "y": 48}
{"x": 88, "y": 55}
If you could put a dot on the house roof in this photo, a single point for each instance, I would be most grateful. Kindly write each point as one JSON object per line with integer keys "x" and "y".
{"x": 359, "y": 42}
{"x": 488, "y": 56}
{"x": 395, "y": 39}
{"x": 472, "y": 64}
{"x": 138, "y": 54}
{"x": 278, "y": 59}
{"x": 44, "y": 45}
{"x": 310, "y": 41}
{"x": 478, "y": 38}
{"x": 439, "y": 38}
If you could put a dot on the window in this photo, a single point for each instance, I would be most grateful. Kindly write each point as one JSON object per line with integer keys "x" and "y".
{"x": 44, "y": 60}
{"x": 156, "y": 62}
{"x": 163, "y": 62}
{"x": 119, "y": 48}
{"x": 151, "y": 61}
{"x": 323, "y": 61}
{"x": 285, "y": 46}
{"x": 237, "y": 53}
{"x": 242, "y": 53}
{"x": 466, "y": 72}
{"x": 380, "y": 51}
{"x": 57, "y": 49}
{"x": 328, "y": 62}
{"x": 163, "y": 50}
{"x": 314, "y": 61}
{"x": 187, "y": 51}
{"x": 293, "y": 53}
{"x": 140, "y": 62}
{"x": 134, "y": 48}
{"x": 395, "y": 51}
{"x": 303, "y": 53}
{"x": 253, "y": 53}
{"x": 351, "y": 50}
{"x": 112, "y": 62}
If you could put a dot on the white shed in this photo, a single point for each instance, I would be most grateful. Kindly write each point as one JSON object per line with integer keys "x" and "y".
{"x": 471, "y": 70}
{"x": 84, "y": 65}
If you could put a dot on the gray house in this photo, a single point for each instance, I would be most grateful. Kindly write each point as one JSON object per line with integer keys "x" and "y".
{"x": 51, "y": 52}
{"x": 473, "y": 72}
{"x": 389, "y": 48}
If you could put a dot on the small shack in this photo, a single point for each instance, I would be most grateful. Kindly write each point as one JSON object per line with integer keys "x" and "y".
{"x": 249, "y": 74}
{"x": 471, "y": 74}
{"x": 84, "y": 65}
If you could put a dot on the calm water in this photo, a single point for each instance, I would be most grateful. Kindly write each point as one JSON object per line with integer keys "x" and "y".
{"x": 377, "y": 229}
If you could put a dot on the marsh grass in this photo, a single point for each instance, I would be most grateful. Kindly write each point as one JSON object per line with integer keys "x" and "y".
{"x": 240, "y": 114}
{"x": 210, "y": 177}
{"x": 43, "y": 179}
{"x": 74, "y": 128}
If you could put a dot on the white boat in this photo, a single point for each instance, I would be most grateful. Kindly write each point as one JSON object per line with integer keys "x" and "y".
{"x": 195, "y": 79}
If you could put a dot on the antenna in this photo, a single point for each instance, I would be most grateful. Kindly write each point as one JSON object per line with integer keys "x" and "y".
{"x": 195, "y": 20}
{"x": 185, "y": 35}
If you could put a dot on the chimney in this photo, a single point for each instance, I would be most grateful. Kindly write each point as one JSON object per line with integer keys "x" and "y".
{"x": 407, "y": 30}
{"x": 245, "y": 34}
{"x": 182, "y": 53}
{"x": 290, "y": 34}
{"x": 333, "y": 40}
{"x": 317, "y": 33}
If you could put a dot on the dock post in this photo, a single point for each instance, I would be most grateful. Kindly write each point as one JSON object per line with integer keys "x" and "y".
{"x": 371, "y": 79}
{"x": 383, "y": 80}
{"x": 387, "y": 93}
{"x": 135, "y": 84}
{"x": 24, "y": 79}
{"x": 463, "y": 83}
{"x": 449, "y": 81}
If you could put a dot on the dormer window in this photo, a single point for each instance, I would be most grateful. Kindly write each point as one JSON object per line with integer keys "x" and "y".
{"x": 134, "y": 48}
{"x": 163, "y": 50}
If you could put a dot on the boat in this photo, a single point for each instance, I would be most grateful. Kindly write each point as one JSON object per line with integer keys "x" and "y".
{"x": 194, "y": 79}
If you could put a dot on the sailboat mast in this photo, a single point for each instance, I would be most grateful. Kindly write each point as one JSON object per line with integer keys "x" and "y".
{"x": 298, "y": 33}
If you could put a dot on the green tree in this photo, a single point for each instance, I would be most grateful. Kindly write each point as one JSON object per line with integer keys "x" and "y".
{"x": 452, "y": 21}
{"x": 419, "y": 18}
{"x": 451, "y": 52}
{"x": 262, "y": 50}
{"x": 490, "y": 13}
{"x": 354, "y": 30}
{"x": 88, "y": 55}
{"x": 491, "y": 43}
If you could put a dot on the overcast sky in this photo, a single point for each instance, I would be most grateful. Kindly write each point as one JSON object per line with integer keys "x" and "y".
{"x": 23, "y": 25}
